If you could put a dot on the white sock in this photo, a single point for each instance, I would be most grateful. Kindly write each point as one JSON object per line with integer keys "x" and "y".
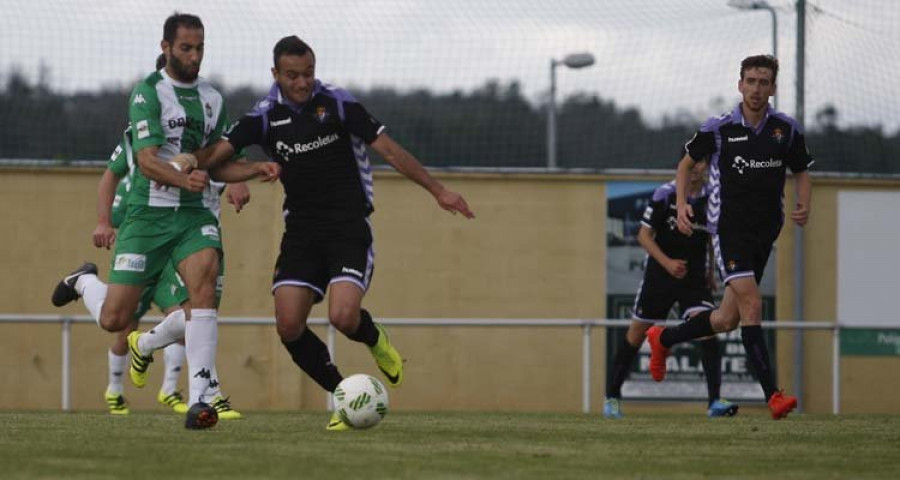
{"x": 93, "y": 292}
{"x": 201, "y": 336}
{"x": 169, "y": 331}
{"x": 174, "y": 355}
{"x": 213, "y": 390}
{"x": 117, "y": 366}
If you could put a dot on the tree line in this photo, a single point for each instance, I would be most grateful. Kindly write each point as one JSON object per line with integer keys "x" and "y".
{"x": 492, "y": 126}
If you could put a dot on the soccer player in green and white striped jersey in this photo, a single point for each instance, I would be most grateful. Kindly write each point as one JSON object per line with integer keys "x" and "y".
{"x": 168, "y": 293}
{"x": 172, "y": 112}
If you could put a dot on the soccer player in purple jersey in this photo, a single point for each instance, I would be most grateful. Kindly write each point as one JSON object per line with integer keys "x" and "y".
{"x": 750, "y": 149}
{"x": 677, "y": 270}
{"x": 318, "y": 133}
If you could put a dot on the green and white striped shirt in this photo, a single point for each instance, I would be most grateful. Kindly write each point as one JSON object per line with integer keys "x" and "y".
{"x": 122, "y": 164}
{"x": 178, "y": 118}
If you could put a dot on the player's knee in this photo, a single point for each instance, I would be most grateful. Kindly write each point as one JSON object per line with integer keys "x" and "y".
{"x": 636, "y": 334}
{"x": 289, "y": 328}
{"x": 751, "y": 308}
{"x": 203, "y": 295}
{"x": 113, "y": 321}
{"x": 345, "y": 320}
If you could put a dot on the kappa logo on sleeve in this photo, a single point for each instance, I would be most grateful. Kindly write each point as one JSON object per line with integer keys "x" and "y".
{"x": 138, "y": 99}
{"x": 130, "y": 262}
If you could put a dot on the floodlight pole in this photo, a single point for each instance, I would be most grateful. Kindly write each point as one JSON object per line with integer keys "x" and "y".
{"x": 551, "y": 118}
{"x": 574, "y": 60}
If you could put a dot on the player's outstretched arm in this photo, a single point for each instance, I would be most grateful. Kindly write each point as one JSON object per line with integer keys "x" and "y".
{"x": 105, "y": 235}
{"x": 803, "y": 185}
{"x": 214, "y": 155}
{"x": 405, "y": 163}
{"x": 682, "y": 180}
{"x": 241, "y": 170}
{"x": 164, "y": 173}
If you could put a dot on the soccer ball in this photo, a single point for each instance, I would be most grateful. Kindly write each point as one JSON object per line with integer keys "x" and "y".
{"x": 361, "y": 401}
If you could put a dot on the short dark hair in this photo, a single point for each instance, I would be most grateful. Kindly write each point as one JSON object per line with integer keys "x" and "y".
{"x": 160, "y": 61}
{"x": 760, "y": 61}
{"x": 291, "y": 45}
{"x": 170, "y": 28}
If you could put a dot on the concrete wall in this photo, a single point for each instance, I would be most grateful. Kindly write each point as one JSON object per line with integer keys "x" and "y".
{"x": 865, "y": 381}
{"x": 536, "y": 250}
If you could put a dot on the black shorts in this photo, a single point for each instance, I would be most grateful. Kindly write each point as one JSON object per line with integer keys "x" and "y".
{"x": 657, "y": 295}
{"x": 315, "y": 258}
{"x": 742, "y": 254}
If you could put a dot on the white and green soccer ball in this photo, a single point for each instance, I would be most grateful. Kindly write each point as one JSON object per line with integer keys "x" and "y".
{"x": 361, "y": 401}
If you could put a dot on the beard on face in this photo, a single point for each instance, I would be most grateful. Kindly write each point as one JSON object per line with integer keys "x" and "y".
{"x": 181, "y": 71}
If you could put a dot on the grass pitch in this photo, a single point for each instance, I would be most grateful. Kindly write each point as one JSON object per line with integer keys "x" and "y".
{"x": 450, "y": 445}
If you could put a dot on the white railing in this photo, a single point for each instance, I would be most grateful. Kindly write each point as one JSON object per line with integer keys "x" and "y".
{"x": 585, "y": 324}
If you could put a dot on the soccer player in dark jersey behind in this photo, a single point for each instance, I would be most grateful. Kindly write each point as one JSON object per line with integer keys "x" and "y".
{"x": 749, "y": 150}
{"x": 677, "y": 269}
{"x": 318, "y": 134}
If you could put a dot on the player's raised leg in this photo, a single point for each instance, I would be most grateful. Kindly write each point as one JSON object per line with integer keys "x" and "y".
{"x": 346, "y": 314}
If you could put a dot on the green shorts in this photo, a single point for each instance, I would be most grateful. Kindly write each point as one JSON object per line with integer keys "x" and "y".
{"x": 151, "y": 237}
{"x": 170, "y": 291}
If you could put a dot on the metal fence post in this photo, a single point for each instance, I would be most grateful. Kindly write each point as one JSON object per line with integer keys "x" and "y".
{"x": 836, "y": 369}
{"x": 66, "y": 370}
{"x": 586, "y": 368}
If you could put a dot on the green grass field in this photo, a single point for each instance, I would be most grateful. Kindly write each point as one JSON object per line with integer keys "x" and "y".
{"x": 450, "y": 445}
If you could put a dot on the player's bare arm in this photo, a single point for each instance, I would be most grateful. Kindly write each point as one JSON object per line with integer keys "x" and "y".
{"x": 213, "y": 155}
{"x": 241, "y": 170}
{"x": 105, "y": 235}
{"x": 405, "y": 163}
{"x": 676, "y": 268}
{"x": 162, "y": 172}
{"x": 682, "y": 181}
{"x": 803, "y": 186}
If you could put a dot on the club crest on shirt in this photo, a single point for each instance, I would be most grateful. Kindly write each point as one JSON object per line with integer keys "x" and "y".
{"x": 321, "y": 114}
{"x": 778, "y": 135}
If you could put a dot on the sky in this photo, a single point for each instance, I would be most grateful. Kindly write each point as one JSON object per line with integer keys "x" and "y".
{"x": 666, "y": 58}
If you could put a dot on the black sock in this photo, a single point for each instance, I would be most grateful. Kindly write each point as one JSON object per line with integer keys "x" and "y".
{"x": 694, "y": 327}
{"x": 758, "y": 358}
{"x": 311, "y": 355}
{"x": 620, "y": 369}
{"x": 711, "y": 357}
{"x": 366, "y": 331}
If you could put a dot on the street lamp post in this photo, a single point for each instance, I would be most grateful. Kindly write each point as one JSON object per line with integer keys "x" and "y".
{"x": 575, "y": 60}
{"x": 762, "y": 5}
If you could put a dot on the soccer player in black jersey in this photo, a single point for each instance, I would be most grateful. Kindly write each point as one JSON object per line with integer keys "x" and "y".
{"x": 676, "y": 270}
{"x": 749, "y": 150}
{"x": 318, "y": 133}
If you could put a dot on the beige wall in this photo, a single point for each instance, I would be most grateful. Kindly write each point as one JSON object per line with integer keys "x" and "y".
{"x": 863, "y": 384}
{"x": 536, "y": 250}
